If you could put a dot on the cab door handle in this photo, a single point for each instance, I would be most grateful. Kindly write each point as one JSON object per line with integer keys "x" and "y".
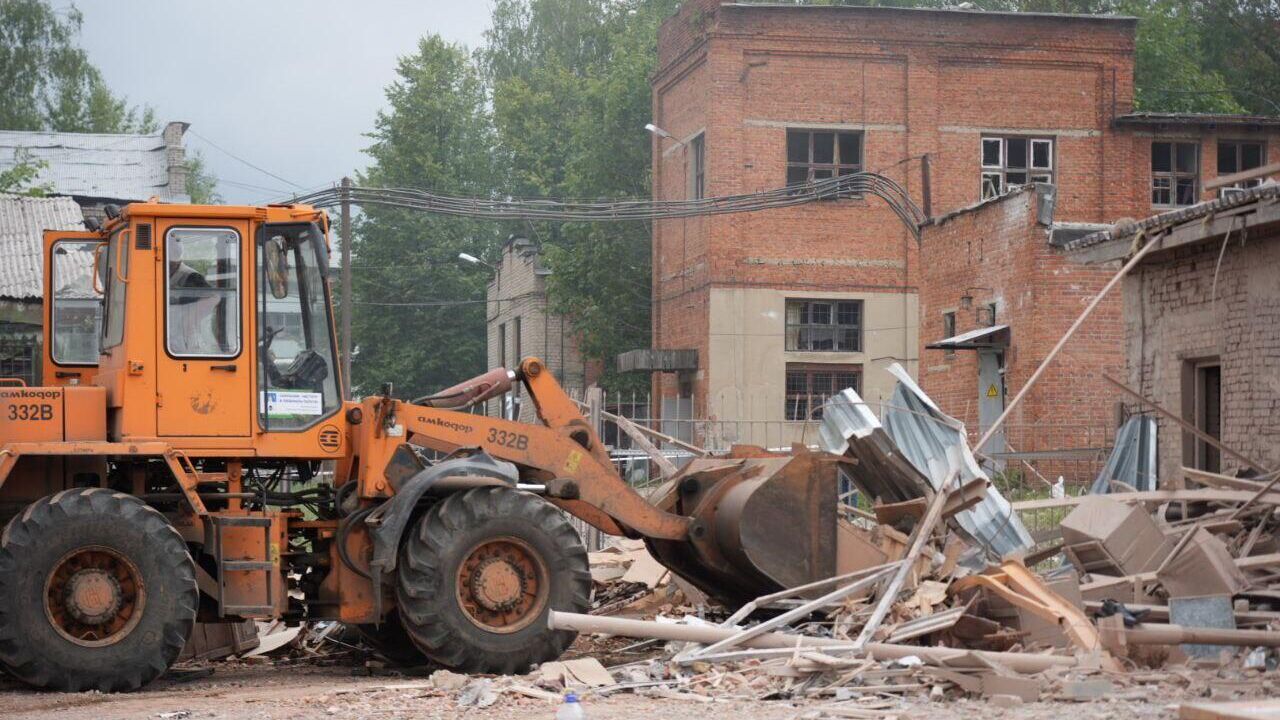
{"x": 224, "y": 368}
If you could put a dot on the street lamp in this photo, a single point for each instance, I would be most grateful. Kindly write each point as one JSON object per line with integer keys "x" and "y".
{"x": 659, "y": 132}
{"x": 467, "y": 257}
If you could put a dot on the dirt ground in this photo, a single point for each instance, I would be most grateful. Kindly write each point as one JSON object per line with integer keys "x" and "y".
{"x": 238, "y": 691}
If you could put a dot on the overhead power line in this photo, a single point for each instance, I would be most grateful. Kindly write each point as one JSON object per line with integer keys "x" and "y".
{"x": 853, "y": 185}
{"x": 239, "y": 159}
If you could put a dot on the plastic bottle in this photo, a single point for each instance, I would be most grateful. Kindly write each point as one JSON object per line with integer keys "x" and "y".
{"x": 571, "y": 709}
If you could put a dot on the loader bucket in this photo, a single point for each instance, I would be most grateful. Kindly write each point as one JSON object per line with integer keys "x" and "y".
{"x": 762, "y": 522}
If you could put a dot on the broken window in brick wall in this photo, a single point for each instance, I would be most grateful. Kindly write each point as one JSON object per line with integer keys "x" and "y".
{"x": 1008, "y": 162}
{"x": 824, "y": 325}
{"x": 810, "y": 385}
{"x": 822, "y": 154}
{"x": 1238, "y": 156}
{"x": 1175, "y": 173}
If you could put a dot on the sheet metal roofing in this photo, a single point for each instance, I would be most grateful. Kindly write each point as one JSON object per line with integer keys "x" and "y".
{"x": 115, "y": 167}
{"x": 23, "y": 221}
{"x": 1157, "y": 118}
{"x": 1269, "y": 191}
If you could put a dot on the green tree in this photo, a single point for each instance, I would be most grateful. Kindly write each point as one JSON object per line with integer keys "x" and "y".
{"x": 47, "y": 81}
{"x": 202, "y": 185}
{"x": 570, "y": 83}
{"x": 419, "y": 313}
{"x": 20, "y": 178}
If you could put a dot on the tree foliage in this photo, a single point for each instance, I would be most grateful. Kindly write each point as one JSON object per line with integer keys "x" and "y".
{"x": 202, "y": 185}
{"x": 570, "y": 83}
{"x": 47, "y": 81}
{"x": 418, "y": 313}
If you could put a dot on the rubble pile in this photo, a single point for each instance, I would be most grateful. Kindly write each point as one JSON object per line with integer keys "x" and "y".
{"x": 942, "y": 594}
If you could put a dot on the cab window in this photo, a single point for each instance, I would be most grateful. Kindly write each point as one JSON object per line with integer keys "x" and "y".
{"x": 298, "y": 380}
{"x": 76, "y": 315}
{"x": 202, "y": 292}
{"x": 113, "y": 268}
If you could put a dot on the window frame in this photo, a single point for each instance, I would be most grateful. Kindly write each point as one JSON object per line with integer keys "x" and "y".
{"x": 53, "y": 302}
{"x": 1238, "y": 146}
{"x": 697, "y": 189}
{"x": 239, "y": 291}
{"x": 111, "y": 284}
{"x": 262, "y": 291}
{"x": 810, "y": 369}
{"x": 1000, "y": 170}
{"x": 836, "y": 166}
{"x": 949, "y": 320}
{"x": 1173, "y": 174}
{"x": 835, "y": 324}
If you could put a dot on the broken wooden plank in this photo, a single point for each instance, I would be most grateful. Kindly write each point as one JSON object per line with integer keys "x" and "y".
{"x": 919, "y": 539}
{"x": 1259, "y": 709}
{"x": 1150, "y": 496}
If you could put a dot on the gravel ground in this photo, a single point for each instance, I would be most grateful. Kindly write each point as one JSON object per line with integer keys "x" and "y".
{"x": 238, "y": 691}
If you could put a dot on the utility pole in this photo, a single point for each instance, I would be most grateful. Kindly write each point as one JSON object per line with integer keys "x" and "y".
{"x": 346, "y": 287}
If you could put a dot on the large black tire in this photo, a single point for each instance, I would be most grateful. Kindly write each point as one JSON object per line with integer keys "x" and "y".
{"x": 97, "y": 592}
{"x": 521, "y": 558}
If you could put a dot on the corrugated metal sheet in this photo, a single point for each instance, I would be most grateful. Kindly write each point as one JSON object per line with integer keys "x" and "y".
{"x": 117, "y": 167}
{"x": 23, "y": 221}
{"x": 1133, "y": 461}
{"x": 933, "y": 446}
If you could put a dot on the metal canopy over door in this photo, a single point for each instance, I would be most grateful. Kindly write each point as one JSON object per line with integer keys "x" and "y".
{"x": 204, "y": 364}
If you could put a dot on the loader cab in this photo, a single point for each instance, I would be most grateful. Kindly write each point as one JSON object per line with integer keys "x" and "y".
{"x": 210, "y": 327}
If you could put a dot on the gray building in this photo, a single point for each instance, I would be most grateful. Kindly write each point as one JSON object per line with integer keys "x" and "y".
{"x": 99, "y": 169}
{"x": 1202, "y": 326}
{"x": 521, "y": 324}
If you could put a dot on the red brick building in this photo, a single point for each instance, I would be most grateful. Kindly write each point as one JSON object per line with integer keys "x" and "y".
{"x": 786, "y": 305}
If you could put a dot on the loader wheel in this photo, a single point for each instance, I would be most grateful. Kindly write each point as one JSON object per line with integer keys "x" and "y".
{"x": 392, "y": 641}
{"x": 97, "y": 592}
{"x": 478, "y": 575}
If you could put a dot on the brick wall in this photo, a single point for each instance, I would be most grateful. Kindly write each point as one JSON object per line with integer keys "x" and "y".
{"x": 1176, "y": 317}
{"x": 913, "y": 82}
{"x": 999, "y": 253}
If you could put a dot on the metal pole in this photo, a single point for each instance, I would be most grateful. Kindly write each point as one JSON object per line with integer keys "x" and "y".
{"x": 346, "y": 287}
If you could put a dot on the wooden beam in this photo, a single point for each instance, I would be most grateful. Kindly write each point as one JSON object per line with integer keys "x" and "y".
{"x": 1242, "y": 176}
{"x": 632, "y": 430}
{"x": 1184, "y": 424}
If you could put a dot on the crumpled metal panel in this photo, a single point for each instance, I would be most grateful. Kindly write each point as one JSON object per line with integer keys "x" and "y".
{"x": 916, "y": 444}
{"x": 1133, "y": 460}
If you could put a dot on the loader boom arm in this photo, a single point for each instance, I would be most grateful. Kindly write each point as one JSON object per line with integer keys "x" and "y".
{"x": 564, "y": 453}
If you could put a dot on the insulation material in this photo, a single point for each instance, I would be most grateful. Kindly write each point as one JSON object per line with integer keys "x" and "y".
{"x": 912, "y": 453}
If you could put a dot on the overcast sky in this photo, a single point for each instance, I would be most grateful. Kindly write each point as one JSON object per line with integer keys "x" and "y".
{"x": 288, "y": 85}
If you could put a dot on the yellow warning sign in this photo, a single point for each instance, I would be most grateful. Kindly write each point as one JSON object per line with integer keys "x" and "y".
{"x": 992, "y": 392}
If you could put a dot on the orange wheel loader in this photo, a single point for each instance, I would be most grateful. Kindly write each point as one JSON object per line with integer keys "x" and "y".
{"x": 190, "y": 457}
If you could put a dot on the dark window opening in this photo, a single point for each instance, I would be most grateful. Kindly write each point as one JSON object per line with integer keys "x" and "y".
{"x": 1008, "y": 162}
{"x": 1236, "y": 156}
{"x": 698, "y": 167}
{"x": 810, "y": 386}
{"x": 824, "y": 325}
{"x": 1209, "y": 416}
{"x": 1175, "y": 173}
{"x": 949, "y": 328}
{"x": 821, "y": 155}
